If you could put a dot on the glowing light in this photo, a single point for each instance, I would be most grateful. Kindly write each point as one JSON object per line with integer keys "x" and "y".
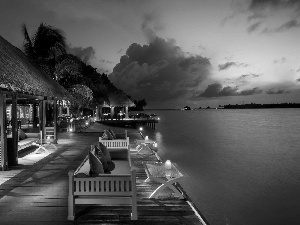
{"x": 141, "y": 128}
{"x": 168, "y": 165}
{"x": 146, "y": 138}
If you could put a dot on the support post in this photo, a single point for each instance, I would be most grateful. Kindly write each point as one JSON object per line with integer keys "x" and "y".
{"x": 134, "y": 215}
{"x": 14, "y": 129}
{"x": 97, "y": 113}
{"x": 100, "y": 108}
{"x": 126, "y": 112}
{"x": 60, "y": 110}
{"x": 34, "y": 115}
{"x": 71, "y": 205}
{"x": 43, "y": 117}
{"x": 3, "y": 155}
{"x": 55, "y": 120}
{"x": 112, "y": 112}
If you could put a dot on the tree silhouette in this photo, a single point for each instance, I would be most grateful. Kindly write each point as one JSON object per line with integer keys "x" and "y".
{"x": 44, "y": 46}
{"x": 69, "y": 70}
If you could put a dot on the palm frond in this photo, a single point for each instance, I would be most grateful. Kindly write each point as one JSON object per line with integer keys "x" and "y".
{"x": 49, "y": 42}
{"x": 27, "y": 44}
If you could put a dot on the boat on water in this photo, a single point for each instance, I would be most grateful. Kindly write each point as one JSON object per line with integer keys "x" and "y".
{"x": 186, "y": 108}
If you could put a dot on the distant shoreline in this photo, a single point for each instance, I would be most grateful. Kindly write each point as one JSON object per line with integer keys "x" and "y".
{"x": 247, "y": 106}
{"x": 263, "y": 106}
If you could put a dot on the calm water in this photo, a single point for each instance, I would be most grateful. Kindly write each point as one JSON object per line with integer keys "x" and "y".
{"x": 243, "y": 166}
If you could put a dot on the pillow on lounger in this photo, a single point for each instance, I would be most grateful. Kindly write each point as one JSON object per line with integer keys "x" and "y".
{"x": 98, "y": 153}
{"x": 104, "y": 136}
{"x": 22, "y": 135}
{"x": 112, "y": 133}
{"x": 105, "y": 152}
{"x": 96, "y": 167}
{"x": 110, "y": 137}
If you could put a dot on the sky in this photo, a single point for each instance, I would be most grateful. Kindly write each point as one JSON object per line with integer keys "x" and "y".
{"x": 175, "y": 53}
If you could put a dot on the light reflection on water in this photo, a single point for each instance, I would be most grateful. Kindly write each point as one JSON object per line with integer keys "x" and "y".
{"x": 243, "y": 165}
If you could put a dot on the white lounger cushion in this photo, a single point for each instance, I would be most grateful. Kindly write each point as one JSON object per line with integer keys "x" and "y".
{"x": 121, "y": 167}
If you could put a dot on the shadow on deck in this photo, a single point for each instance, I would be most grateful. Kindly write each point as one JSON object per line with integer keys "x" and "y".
{"x": 36, "y": 191}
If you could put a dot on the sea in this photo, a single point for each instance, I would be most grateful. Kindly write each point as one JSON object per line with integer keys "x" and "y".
{"x": 242, "y": 166}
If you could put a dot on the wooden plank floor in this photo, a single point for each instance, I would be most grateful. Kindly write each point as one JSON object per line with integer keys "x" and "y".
{"x": 35, "y": 191}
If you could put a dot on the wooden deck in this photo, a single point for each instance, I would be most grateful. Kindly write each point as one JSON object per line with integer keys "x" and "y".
{"x": 35, "y": 191}
{"x": 134, "y": 123}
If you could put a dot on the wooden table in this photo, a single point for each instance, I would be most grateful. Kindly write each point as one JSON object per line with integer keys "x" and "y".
{"x": 167, "y": 178}
{"x": 145, "y": 145}
{"x": 144, "y": 141}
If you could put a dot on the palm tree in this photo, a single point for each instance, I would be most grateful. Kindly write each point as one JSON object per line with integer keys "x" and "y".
{"x": 44, "y": 46}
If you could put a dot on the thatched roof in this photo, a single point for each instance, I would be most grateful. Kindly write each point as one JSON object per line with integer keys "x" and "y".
{"x": 118, "y": 99}
{"x": 19, "y": 74}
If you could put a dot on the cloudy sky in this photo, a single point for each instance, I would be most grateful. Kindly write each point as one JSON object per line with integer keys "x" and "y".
{"x": 175, "y": 53}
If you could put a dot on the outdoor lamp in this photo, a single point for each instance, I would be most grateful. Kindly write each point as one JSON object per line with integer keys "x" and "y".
{"x": 146, "y": 138}
{"x": 155, "y": 145}
{"x": 168, "y": 166}
{"x": 141, "y": 128}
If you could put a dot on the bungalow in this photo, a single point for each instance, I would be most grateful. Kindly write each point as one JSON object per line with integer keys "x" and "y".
{"x": 22, "y": 82}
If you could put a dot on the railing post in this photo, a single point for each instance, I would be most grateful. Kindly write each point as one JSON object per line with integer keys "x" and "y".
{"x": 134, "y": 200}
{"x": 71, "y": 205}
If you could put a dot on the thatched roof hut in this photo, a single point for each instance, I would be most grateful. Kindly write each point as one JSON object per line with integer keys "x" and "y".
{"x": 21, "y": 79}
{"x": 18, "y": 74}
{"x": 119, "y": 99}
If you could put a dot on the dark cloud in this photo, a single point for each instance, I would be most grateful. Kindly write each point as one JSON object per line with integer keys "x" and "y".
{"x": 230, "y": 64}
{"x": 248, "y": 76}
{"x": 226, "y": 65}
{"x": 256, "y": 16}
{"x": 281, "y": 60}
{"x": 274, "y": 4}
{"x": 288, "y": 25}
{"x": 242, "y": 80}
{"x": 255, "y": 75}
{"x": 201, "y": 47}
{"x": 262, "y": 9}
{"x": 159, "y": 71}
{"x": 85, "y": 54}
{"x": 253, "y": 27}
{"x": 217, "y": 90}
{"x": 298, "y": 80}
{"x": 276, "y": 92}
{"x": 252, "y": 91}
{"x": 106, "y": 61}
{"x": 292, "y": 24}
